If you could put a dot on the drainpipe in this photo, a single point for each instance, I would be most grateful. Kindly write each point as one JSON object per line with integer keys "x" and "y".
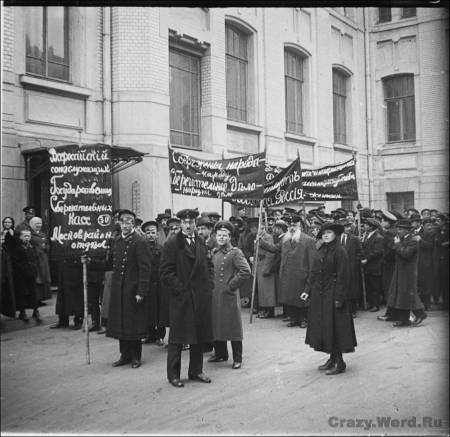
{"x": 368, "y": 94}
{"x": 107, "y": 107}
{"x": 265, "y": 78}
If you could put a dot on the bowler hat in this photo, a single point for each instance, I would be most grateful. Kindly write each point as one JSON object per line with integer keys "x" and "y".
{"x": 224, "y": 224}
{"x": 188, "y": 213}
{"x": 337, "y": 228}
{"x": 149, "y": 223}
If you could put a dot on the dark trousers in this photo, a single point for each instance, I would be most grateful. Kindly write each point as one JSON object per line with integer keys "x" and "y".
{"x": 174, "y": 360}
{"x": 221, "y": 350}
{"x": 403, "y": 315}
{"x": 297, "y": 314}
{"x": 130, "y": 349}
{"x": 374, "y": 290}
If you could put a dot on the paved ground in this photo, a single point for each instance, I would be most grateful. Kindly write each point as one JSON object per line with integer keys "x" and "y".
{"x": 395, "y": 374}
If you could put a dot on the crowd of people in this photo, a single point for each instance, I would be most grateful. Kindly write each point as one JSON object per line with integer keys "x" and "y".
{"x": 191, "y": 273}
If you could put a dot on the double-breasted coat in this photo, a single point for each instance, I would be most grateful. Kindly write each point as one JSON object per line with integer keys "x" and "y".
{"x": 187, "y": 273}
{"x": 295, "y": 269}
{"x": 352, "y": 246}
{"x": 154, "y": 292}
{"x": 230, "y": 270}
{"x": 330, "y": 329}
{"x": 403, "y": 290}
{"x": 127, "y": 319}
{"x": 265, "y": 276}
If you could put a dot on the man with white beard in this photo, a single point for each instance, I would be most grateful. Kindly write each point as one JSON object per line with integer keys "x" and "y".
{"x": 297, "y": 254}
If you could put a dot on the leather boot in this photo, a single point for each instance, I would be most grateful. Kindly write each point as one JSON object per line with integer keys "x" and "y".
{"x": 340, "y": 366}
{"x": 329, "y": 364}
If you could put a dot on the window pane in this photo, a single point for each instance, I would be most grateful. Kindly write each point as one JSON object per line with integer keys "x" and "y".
{"x": 409, "y": 119}
{"x": 58, "y": 71}
{"x": 56, "y": 35}
{"x": 384, "y": 14}
{"x": 408, "y": 12}
{"x": 393, "y": 120}
{"x": 34, "y": 25}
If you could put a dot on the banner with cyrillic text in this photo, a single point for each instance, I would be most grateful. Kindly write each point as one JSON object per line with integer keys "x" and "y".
{"x": 80, "y": 199}
{"x": 233, "y": 178}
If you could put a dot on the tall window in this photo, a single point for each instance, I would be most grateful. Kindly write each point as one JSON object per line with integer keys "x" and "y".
{"x": 294, "y": 90}
{"x": 408, "y": 12}
{"x": 237, "y": 73}
{"x": 400, "y": 201}
{"x": 47, "y": 41}
{"x": 184, "y": 99}
{"x": 384, "y": 15}
{"x": 339, "y": 106}
{"x": 399, "y": 101}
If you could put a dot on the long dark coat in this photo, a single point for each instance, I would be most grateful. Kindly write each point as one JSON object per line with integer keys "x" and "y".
{"x": 330, "y": 329}
{"x": 247, "y": 245}
{"x": 426, "y": 278}
{"x": 230, "y": 270}
{"x": 154, "y": 297}
{"x": 8, "y": 298}
{"x": 387, "y": 269}
{"x": 187, "y": 273}
{"x": 403, "y": 290}
{"x": 41, "y": 244}
{"x": 25, "y": 271}
{"x": 69, "y": 300}
{"x": 295, "y": 269}
{"x": 373, "y": 252}
{"x": 265, "y": 277}
{"x": 127, "y": 319}
{"x": 354, "y": 252}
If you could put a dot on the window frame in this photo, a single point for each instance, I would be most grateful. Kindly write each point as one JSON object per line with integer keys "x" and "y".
{"x": 240, "y": 61}
{"x": 44, "y": 38}
{"x": 191, "y": 133}
{"x": 399, "y": 197}
{"x": 344, "y": 76}
{"x": 404, "y": 16}
{"x": 400, "y": 113}
{"x": 298, "y": 121}
{"x": 379, "y": 15}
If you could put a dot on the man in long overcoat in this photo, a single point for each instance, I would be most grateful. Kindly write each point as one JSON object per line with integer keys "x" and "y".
{"x": 127, "y": 316}
{"x": 352, "y": 246}
{"x": 230, "y": 270}
{"x": 265, "y": 278}
{"x": 187, "y": 273}
{"x": 372, "y": 245}
{"x": 297, "y": 252}
{"x": 156, "y": 327}
{"x": 330, "y": 324}
{"x": 403, "y": 295}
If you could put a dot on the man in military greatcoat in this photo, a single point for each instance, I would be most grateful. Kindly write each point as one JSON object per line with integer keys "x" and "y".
{"x": 127, "y": 316}
{"x": 231, "y": 269}
{"x": 187, "y": 272}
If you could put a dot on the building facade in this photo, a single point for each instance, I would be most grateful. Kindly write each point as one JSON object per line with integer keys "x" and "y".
{"x": 326, "y": 82}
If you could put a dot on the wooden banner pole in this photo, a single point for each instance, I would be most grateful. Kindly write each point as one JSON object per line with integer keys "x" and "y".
{"x": 84, "y": 261}
{"x": 255, "y": 260}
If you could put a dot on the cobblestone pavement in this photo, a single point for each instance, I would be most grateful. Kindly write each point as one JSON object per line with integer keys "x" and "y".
{"x": 394, "y": 374}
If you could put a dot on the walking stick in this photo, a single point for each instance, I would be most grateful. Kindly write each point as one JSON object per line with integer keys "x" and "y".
{"x": 84, "y": 261}
{"x": 255, "y": 260}
{"x": 360, "y": 266}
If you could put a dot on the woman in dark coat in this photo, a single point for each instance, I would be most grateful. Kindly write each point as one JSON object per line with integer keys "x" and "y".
{"x": 8, "y": 299}
{"x": 330, "y": 324}
{"x": 25, "y": 271}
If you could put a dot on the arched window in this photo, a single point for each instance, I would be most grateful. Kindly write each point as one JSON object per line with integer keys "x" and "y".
{"x": 400, "y": 107}
{"x": 237, "y": 70}
{"x": 295, "y": 83}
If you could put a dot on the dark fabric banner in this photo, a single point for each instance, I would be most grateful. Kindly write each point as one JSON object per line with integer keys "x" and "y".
{"x": 80, "y": 200}
{"x": 284, "y": 186}
{"x": 234, "y": 178}
{"x": 333, "y": 182}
